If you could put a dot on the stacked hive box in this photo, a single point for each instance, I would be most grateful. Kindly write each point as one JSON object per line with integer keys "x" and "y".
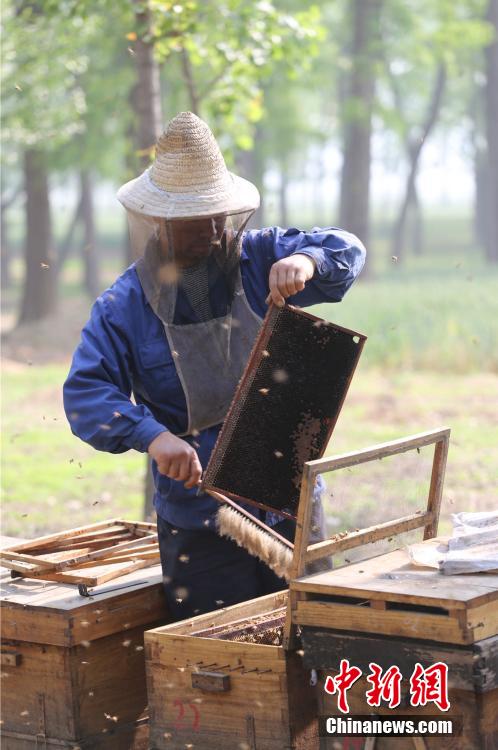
{"x": 73, "y": 670}
{"x": 386, "y": 611}
{"x": 223, "y": 680}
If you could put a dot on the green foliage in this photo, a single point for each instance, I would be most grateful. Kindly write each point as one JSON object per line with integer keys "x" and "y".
{"x": 417, "y": 37}
{"x": 107, "y": 79}
{"x": 43, "y": 103}
{"x": 63, "y": 64}
{"x": 226, "y": 50}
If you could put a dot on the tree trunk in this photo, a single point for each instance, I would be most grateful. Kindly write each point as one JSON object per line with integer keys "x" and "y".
{"x": 282, "y": 196}
{"x": 414, "y": 210}
{"x": 67, "y": 243}
{"x": 482, "y": 205}
{"x": 188, "y": 79}
{"x": 355, "y": 176}
{"x": 146, "y": 95}
{"x": 148, "y": 513}
{"x": 40, "y": 284}
{"x": 5, "y": 274}
{"x": 415, "y": 152}
{"x": 321, "y": 214}
{"x": 146, "y": 102}
{"x": 491, "y": 109}
{"x": 417, "y": 227}
{"x": 250, "y": 164}
{"x": 90, "y": 262}
{"x": 132, "y": 167}
{"x": 5, "y": 257}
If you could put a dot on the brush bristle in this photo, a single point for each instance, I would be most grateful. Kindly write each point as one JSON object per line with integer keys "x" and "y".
{"x": 260, "y": 544}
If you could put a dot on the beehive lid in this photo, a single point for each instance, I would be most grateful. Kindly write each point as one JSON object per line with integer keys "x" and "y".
{"x": 55, "y": 613}
{"x": 388, "y": 594}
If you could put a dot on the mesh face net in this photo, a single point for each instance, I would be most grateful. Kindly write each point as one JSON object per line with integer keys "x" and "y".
{"x": 189, "y": 271}
{"x": 187, "y": 253}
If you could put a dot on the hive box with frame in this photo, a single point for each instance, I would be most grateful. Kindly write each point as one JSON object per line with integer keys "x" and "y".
{"x": 238, "y": 677}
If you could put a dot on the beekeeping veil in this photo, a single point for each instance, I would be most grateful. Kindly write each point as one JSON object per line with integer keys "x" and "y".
{"x": 186, "y": 215}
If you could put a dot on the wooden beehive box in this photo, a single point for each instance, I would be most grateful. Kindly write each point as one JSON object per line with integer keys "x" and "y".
{"x": 472, "y": 684}
{"x": 386, "y": 610}
{"x": 388, "y": 595}
{"x": 73, "y": 670}
{"x": 223, "y": 681}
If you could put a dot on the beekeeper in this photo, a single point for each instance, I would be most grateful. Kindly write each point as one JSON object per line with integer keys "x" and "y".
{"x": 174, "y": 333}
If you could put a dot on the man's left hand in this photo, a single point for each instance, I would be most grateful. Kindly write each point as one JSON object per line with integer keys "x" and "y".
{"x": 288, "y": 276}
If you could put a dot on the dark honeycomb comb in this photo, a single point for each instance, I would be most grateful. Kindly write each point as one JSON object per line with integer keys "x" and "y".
{"x": 284, "y": 409}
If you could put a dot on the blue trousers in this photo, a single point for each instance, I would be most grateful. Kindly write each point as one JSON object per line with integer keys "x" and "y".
{"x": 203, "y": 571}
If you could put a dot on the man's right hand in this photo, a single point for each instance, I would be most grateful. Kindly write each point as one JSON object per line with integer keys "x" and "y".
{"x": 176, "y": 459}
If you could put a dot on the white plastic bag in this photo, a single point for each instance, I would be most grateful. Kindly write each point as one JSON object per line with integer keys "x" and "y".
{"x": 473, "y": 547}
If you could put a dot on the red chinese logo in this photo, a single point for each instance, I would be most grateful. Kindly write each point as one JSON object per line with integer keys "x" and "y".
{"x": 385, "y": 687}
{"x": 430, "y": 685}
{"x": 341, "y": 683}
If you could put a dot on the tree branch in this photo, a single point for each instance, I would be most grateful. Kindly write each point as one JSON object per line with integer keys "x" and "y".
{"x": 415, "y": 151}
{"x": 214, "y": 80}
{"x": 188, "y": 77}
{"x": 7, "y": 201}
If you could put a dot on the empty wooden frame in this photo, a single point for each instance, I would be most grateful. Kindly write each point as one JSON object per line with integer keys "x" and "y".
{"x": 428, "y": 519}
{"x": 90, "y": 555}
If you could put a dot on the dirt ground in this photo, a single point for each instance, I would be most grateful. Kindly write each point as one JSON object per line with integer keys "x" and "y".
{"x": 50, "y": 340}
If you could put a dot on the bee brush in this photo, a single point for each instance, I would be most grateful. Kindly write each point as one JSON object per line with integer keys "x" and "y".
{"x": 253, "y": 535}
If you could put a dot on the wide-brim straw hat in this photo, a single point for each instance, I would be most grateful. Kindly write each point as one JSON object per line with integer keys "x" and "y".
{"x": 189, "y": 177}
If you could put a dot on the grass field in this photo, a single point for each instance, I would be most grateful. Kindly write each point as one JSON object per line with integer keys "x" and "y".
{"x": 431, "y": 359}
{"x": 51, "y": 480}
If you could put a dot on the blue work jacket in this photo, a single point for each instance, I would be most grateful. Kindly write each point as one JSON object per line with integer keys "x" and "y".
{"x": 124, "y": 352}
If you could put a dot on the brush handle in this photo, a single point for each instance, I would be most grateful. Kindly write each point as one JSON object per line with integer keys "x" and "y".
{"x": 268, "y": 529}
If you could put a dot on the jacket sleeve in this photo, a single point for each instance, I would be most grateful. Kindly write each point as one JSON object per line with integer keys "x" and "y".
{"x": 98, "y": 389}
{"x": 339, "y": 257}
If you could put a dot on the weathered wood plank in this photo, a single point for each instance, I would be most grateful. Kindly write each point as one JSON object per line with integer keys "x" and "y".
{"x": 410, "y": 624}
{"x": 133, "y": 736}
{"x": 367, "y": 536}
{"x": 223, "y": 615}
{"x": 75, "y": 619}
{"x": 25, "y": 545}
{"x": 26, "y": 592}
{"x": 393, "y": 577}
{"x": 97, "y": 575}
{"x": 473, "y": 667}
{"x": 304, "y": 553}
{"x": 7, "y": 556}
{"x": 105, "y": 552}
{"x": 182, "y": 650}
{"x": 436, "y": 485}
{"x": 382, "y": 450}
{"x": 301, "y": 541}
{"x": 67, "y": 551}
